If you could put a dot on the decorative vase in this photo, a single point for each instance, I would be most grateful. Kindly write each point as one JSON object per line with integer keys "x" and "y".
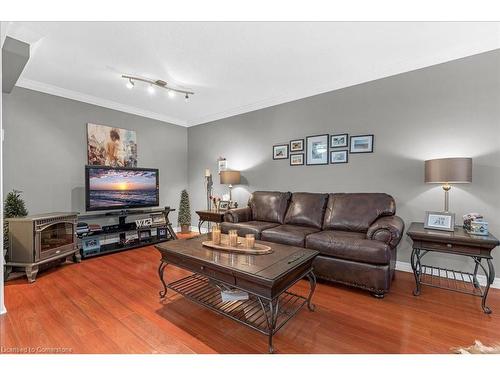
{"x": 185, "y": 228}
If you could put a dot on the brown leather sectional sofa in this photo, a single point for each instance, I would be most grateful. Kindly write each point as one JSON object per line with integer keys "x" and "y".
{"x": 355, "y": 233}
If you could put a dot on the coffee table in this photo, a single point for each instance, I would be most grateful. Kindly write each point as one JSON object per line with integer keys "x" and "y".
{"x": 266, "y": 278}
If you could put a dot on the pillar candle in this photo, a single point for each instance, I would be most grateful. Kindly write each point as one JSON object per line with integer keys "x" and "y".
{"x": 216, "y": 236}
{"x": 250, "y": 241}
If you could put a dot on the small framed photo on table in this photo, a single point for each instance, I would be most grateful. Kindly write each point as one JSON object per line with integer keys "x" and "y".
{"x": 439, "y": 221}
{"x": 280, "y": 152}
{"x": 224, "y": 205}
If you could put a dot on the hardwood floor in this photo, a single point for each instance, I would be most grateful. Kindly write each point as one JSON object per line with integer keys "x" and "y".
{"x": 110, "y": 304}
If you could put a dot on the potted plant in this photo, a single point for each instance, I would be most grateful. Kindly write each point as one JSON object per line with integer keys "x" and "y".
{"x": 184, "y": 218}
{"x": 13, "y": 207}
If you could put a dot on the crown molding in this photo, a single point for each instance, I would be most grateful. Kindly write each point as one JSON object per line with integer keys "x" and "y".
{"x": 74, "y": 95}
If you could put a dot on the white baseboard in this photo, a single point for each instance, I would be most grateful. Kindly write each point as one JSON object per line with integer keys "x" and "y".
{"x": 406, "y": 267}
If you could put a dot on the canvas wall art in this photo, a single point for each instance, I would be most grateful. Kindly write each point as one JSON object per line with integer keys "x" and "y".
{"x": 111, "y": 146}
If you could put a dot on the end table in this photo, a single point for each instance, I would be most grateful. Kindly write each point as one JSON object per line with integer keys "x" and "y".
{"x": 209, "y": 216}
{"x": 458, "y": 242}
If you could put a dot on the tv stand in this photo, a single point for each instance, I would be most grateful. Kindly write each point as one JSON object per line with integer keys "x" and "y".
{"x": 124, "y": 228}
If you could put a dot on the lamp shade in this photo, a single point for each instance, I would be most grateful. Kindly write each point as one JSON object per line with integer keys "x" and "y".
{"x": 448, "y": 170}
{"x": 230, "y": 177}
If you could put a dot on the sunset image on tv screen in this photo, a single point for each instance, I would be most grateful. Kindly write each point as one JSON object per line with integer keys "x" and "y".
{"x": 115, "y": 188}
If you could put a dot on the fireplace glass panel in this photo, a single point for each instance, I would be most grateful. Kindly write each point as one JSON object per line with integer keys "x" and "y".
{"x": 56, "y": 235}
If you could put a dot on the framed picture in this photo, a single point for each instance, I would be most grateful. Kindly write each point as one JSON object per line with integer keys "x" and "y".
{"x": 223, "y": 205}
{"x": 297, "y": 145}
{"x": 317, "y": 149}
{"x": 338, "y": 140}
{"x": 439, "y": 221}
{"x": 111, "y": 146}
{"x": 143, "y": 234}
{"x": 161, "y": 232}
{"x": 361, "y": 144}
{"x": 91, "y": 244}
{"x": 338, "y": 157}
{"x": 297, "y": 159}
{"x": 280, "y": 152}
{"x": 222, "y": 164}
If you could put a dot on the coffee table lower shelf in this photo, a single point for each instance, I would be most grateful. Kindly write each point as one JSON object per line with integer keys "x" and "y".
{"x": 264, "y": 315}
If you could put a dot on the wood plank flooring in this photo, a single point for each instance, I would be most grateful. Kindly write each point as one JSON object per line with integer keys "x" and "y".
{"x": 110, "y": 304}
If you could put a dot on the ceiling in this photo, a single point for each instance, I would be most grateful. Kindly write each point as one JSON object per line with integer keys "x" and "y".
{"x": 233, "y": 67}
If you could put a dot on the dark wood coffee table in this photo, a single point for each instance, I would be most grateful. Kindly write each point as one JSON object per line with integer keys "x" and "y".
{"x": 266, "y": 279}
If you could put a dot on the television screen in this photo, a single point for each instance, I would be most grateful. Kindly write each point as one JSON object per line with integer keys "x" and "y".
{"x": 110, "y": 188}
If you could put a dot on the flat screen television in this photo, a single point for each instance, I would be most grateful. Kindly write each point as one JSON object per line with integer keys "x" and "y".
{"x": 110, "y": 188}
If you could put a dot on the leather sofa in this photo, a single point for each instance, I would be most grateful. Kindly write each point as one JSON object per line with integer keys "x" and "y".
{"x": 356, "y": 233}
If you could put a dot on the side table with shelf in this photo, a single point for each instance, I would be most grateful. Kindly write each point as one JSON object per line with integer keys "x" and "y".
{"x": 209, "y": 216}
{"x": 460, "y": 243}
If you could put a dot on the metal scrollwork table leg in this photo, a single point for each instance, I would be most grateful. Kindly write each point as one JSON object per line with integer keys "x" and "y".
{"x": 161, "y": 268}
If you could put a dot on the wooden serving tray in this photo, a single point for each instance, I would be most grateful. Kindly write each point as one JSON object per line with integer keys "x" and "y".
{"x": 240, "y": 248}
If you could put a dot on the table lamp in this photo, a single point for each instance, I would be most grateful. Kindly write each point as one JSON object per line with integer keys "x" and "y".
{"x": 230, "y": 178}
{"x": 448, "y": 171}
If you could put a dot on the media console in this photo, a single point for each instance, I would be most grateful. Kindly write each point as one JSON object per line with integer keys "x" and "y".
{"x": 123, "y": 235}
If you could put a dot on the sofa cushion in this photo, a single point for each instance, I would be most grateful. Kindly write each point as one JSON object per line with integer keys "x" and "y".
{"x": 288, "y": 234}
{"x": 349, "y": 246}
{"x": 269, "y": 206}
{"x": 306, "y": 209}
{"x": 356, "y": 211}
{"x": 247, "y": 227}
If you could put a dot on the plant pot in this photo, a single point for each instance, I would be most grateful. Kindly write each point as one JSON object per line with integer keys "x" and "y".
{"x": 185, "y": 228}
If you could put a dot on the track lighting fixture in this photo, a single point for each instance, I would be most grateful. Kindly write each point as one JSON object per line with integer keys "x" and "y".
{"x": 156, "y": 83}
{"x": 186, "y": 98}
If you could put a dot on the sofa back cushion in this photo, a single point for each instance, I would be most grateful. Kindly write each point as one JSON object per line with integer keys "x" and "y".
{"x": 269, "y": 206}
{"x": 306, "y": 209}
{"x": 356, "y": 211}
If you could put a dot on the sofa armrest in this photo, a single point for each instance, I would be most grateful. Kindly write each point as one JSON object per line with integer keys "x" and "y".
{"x": 388, "y": 229}
{"x": 238, "y": 215}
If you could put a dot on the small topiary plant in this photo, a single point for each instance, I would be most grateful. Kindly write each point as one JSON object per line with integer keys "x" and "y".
{"x": 13, "y": 207}
{"x": 184, "y": 217}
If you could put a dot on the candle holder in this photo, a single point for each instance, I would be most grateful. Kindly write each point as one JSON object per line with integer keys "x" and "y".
{"x": 250, "y": 241}
{"x": 233, "y": 237}
{"x": 216, "y": 235}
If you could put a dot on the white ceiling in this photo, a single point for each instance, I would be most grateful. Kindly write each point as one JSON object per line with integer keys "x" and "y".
{"x": 233, "y": 67}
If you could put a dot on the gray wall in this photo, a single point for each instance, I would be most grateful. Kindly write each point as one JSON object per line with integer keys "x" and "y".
{"x": 451, "y": 109}
{"x": 45, "y": 149}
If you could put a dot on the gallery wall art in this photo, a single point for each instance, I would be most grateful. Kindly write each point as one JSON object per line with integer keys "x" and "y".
{"x": 324, "y": 149}
{"x": 110, "y": 146}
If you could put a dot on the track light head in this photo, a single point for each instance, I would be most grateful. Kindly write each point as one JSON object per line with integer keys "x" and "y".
{"x": 130, "y": 84}
{"x": 171, "y": 94}
{"x": 151, "y": 89}
{"x": 186, "y": 98}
